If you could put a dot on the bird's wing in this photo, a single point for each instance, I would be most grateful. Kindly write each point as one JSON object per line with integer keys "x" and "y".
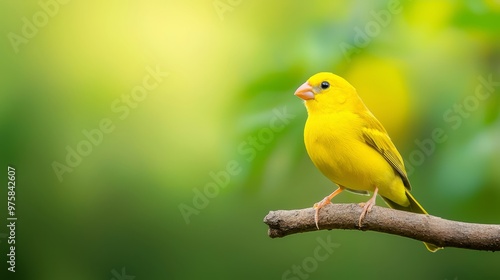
{"x": 376, "y": 136}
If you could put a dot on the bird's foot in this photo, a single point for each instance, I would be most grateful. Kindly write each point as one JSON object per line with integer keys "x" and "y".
{"x": 318, "y": 206}
{"x": 367, "y": 207}
{"x": 322, "y": 203}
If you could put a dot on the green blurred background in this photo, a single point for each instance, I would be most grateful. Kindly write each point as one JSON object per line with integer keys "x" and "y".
{"x": 126, "y": 208}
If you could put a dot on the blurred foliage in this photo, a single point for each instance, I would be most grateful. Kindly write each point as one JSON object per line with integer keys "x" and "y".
{"x": 206, "y": 137}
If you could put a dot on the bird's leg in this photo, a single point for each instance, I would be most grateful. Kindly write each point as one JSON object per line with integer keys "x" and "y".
{"x": 367, "y": 207}
{"x": 324, "y": 202}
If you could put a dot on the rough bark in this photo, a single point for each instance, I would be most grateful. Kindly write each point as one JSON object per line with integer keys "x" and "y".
{"x": 435, "y": 230}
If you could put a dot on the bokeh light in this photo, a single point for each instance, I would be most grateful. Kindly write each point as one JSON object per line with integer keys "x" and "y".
{"x": 178, "y": 188}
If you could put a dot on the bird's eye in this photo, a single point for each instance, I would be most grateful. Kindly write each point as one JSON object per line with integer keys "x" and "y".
{"x": 325, "y": 85}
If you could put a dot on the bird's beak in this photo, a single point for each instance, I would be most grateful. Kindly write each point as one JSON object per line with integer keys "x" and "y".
{"x": 305, "y": 91}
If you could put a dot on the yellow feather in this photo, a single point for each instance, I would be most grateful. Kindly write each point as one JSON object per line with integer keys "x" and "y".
{"x": 350, "y": 146}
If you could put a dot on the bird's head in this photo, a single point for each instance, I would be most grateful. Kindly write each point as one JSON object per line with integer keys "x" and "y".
{"x": 326, "y": 92}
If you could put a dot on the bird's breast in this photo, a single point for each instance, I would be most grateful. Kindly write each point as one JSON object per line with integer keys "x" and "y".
{"x": 335, "y": 145}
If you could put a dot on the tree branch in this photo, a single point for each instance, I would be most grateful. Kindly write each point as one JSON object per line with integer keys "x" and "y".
{"x": 441, "y": 232}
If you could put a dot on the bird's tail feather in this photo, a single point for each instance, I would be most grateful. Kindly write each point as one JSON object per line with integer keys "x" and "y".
{"x": 414, "y": 207}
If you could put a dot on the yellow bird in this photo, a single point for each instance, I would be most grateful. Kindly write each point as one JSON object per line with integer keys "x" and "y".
{"x": 351, "y": 147}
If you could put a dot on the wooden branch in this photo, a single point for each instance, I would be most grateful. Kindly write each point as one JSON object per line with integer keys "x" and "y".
{"x": 441, "y": 232}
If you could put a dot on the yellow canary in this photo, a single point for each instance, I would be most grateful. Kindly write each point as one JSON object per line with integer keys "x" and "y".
{"x": 351, "y": 147}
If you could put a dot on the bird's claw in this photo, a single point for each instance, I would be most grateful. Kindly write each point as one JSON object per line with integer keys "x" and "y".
{"x": 322, "y": 203}
{"x": 367, "y": 207}
{"x": 317, "y": 206}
